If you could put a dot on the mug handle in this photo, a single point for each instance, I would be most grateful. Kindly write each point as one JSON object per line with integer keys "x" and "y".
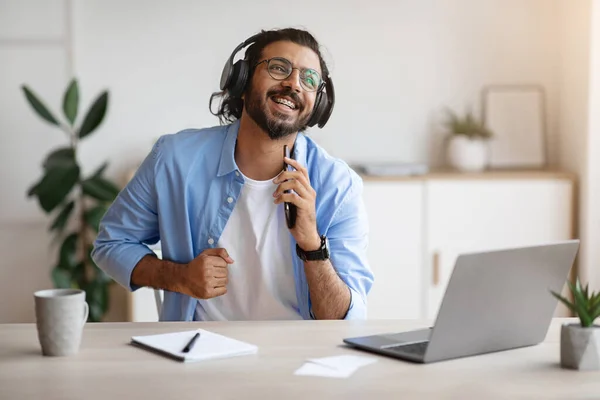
{"x": 86, "y": 311}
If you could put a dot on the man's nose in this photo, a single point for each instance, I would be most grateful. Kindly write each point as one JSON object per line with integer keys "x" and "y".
{"x": 293, "y": 81}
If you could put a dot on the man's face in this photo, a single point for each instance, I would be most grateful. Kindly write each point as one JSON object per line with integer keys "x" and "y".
{"x": 265, "y": 96}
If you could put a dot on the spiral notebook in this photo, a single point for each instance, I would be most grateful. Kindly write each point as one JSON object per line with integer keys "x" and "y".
{"x": 207, "y": 347}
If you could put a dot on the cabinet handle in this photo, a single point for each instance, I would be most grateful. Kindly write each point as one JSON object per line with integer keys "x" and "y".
{"x": 436, "y": 268}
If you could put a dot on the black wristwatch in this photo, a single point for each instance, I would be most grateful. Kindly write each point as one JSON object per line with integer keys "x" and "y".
{"x": 316, "y": 255}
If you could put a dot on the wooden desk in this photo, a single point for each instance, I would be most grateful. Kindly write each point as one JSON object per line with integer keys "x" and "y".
{"x": 107, "y": 367}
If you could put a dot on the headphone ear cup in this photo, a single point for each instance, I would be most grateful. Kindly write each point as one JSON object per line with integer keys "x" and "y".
{"x": 226, "y": 75}
{"x": 318, "y": 110}
{"x": 326, "y": 110}
{"x": 239, "y": 77}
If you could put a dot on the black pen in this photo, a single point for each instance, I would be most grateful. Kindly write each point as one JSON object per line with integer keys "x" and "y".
{"x": 190, "y": 344}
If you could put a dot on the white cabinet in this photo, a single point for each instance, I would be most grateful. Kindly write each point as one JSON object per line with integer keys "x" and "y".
{"x": 395, "y": 248}
{"x": 420, "y": 225}
{"x": 474, "y": 215}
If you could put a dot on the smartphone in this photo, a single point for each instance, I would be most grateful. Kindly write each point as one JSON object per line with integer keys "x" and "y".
{"x": 290, "y": 209}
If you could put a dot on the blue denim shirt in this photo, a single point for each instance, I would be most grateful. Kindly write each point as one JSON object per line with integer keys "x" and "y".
{"x": 185, "y": 191}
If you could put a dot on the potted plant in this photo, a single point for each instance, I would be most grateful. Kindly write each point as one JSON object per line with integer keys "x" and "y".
{"x": 580, "y": 342}
{"x": 76, "y": 202}
{"x": 468, "y": 148}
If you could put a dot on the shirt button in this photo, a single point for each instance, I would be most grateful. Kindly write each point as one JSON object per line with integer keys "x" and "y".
{"x": 211, "y": 241}
{"x": 230, "y": 200}
{"x": 237, "y": 173}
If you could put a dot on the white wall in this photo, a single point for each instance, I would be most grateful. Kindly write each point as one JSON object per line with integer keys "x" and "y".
{"x": 591, "y": 229}
{"x": 579, "y": 127}
{"x": 161, "y": 61}
{"x": 573, "y": 104}
{"x": 32, "y": 50}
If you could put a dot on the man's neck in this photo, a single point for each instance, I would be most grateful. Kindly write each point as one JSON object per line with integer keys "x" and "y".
{"x": 257, "y": 155}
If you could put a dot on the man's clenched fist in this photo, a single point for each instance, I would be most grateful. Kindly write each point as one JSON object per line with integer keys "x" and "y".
{"x": 206, "y": 276}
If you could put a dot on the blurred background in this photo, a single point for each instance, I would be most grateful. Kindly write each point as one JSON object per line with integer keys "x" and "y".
{"x": 526, "y": 70}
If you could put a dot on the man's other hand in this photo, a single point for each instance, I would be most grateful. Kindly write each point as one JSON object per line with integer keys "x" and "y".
{"x": 206, "y": 276}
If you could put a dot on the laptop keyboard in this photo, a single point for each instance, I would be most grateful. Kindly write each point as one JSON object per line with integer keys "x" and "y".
{"x": 412, "y": 348}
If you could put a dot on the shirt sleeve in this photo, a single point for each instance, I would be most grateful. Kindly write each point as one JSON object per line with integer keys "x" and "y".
{"x": 130, "y": 223}
{"x": 348, "y": 242}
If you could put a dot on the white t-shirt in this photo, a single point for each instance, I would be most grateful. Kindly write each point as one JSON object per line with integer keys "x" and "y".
{"x": 261, "y": 279}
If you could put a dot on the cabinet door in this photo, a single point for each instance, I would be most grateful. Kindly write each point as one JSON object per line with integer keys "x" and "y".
{"x": 395, "y": 248}
{"x": 477, "y": 215}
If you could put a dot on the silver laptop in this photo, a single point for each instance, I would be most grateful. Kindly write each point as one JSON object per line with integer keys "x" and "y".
{"x": 496, "y": 300}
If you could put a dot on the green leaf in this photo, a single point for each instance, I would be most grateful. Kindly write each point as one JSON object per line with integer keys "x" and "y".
{"x": 63, "y": 157}
{"x": 594, "y": 312}
{"x": 32, "y": 191}
{"x": 94, "y": 215}
{"x": 585, "y": 291}
{"x": 581, "y": 303}
{"x": 578, "y": 285}
{"x": 100, "y": 189}
{"x": 71, "y": 102}
{"x": 565, "y": 302}
{"x": 94, "y": 116}
{"x": 98, "y": 173}
{"x": 68, "y": 252}
{"x": 62, "y": 218}
{"x": 594, "y": 300}
{"x": 78, "y": 275}
{"x": 38, "y": 106}
{"x": 580, "y": 300}
{"x": 61, "y": 278}
{"x": 56, "y": 185}
{"x": 467, "y": 125}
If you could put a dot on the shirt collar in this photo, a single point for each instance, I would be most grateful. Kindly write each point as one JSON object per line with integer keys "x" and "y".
{"x": 227, "y": 163}
{"x": 300, "y": 149}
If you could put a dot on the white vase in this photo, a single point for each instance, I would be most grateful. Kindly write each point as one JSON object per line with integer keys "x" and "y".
{"x": 466, "y": 154}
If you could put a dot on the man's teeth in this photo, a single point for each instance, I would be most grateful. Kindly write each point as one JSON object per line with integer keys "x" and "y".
{"x": 284, "y": 102}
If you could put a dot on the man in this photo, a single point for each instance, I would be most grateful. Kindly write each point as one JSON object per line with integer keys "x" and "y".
{"x": 214, "y": 198}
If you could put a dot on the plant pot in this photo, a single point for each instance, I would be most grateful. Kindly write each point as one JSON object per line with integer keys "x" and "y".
{"x": 580, "y": 347}
{"x": 466, "y": 154}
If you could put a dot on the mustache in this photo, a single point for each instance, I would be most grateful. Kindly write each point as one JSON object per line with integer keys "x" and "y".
{"x": 287, "y": 92}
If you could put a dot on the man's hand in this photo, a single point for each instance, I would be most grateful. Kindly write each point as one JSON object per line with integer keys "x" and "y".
{"x": 305, "y": 231}
{"x": 330, "y": 296}
{"x": 206, "y": 276}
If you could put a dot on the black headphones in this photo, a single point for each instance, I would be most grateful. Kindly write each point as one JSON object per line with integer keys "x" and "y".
{"x": 235, "y": 76}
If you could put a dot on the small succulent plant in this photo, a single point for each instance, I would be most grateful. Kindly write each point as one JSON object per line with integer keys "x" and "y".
{"x": 468, "y": 126}
{"x": 585, "y": 305}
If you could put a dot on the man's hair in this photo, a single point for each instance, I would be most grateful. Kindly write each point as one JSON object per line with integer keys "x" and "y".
{"x": 230, "y": 107}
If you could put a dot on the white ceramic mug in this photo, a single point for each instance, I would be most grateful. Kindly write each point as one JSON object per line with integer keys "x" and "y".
{"x": 60, "y": 317}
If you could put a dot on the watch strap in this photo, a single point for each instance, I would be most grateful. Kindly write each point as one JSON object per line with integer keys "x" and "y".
{"x": 315, "y": 255}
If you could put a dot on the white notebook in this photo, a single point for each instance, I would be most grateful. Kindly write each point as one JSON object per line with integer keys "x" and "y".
{"x": 208, "y": 346}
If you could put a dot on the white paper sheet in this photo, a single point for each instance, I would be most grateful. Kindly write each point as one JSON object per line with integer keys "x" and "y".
{"x": 209, "y": 345}
{"x": 335, "y": 366}
{"x": 310, "y": 369}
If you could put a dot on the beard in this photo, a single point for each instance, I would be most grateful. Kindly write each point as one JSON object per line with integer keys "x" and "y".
{"x": 276, "y": 125}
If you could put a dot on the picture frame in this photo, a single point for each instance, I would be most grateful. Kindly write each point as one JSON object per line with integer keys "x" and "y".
{"x": 516, "y": 114}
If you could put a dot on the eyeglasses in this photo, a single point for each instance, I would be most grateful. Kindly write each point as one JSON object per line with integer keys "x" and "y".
{"x": 280, "y": 68}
